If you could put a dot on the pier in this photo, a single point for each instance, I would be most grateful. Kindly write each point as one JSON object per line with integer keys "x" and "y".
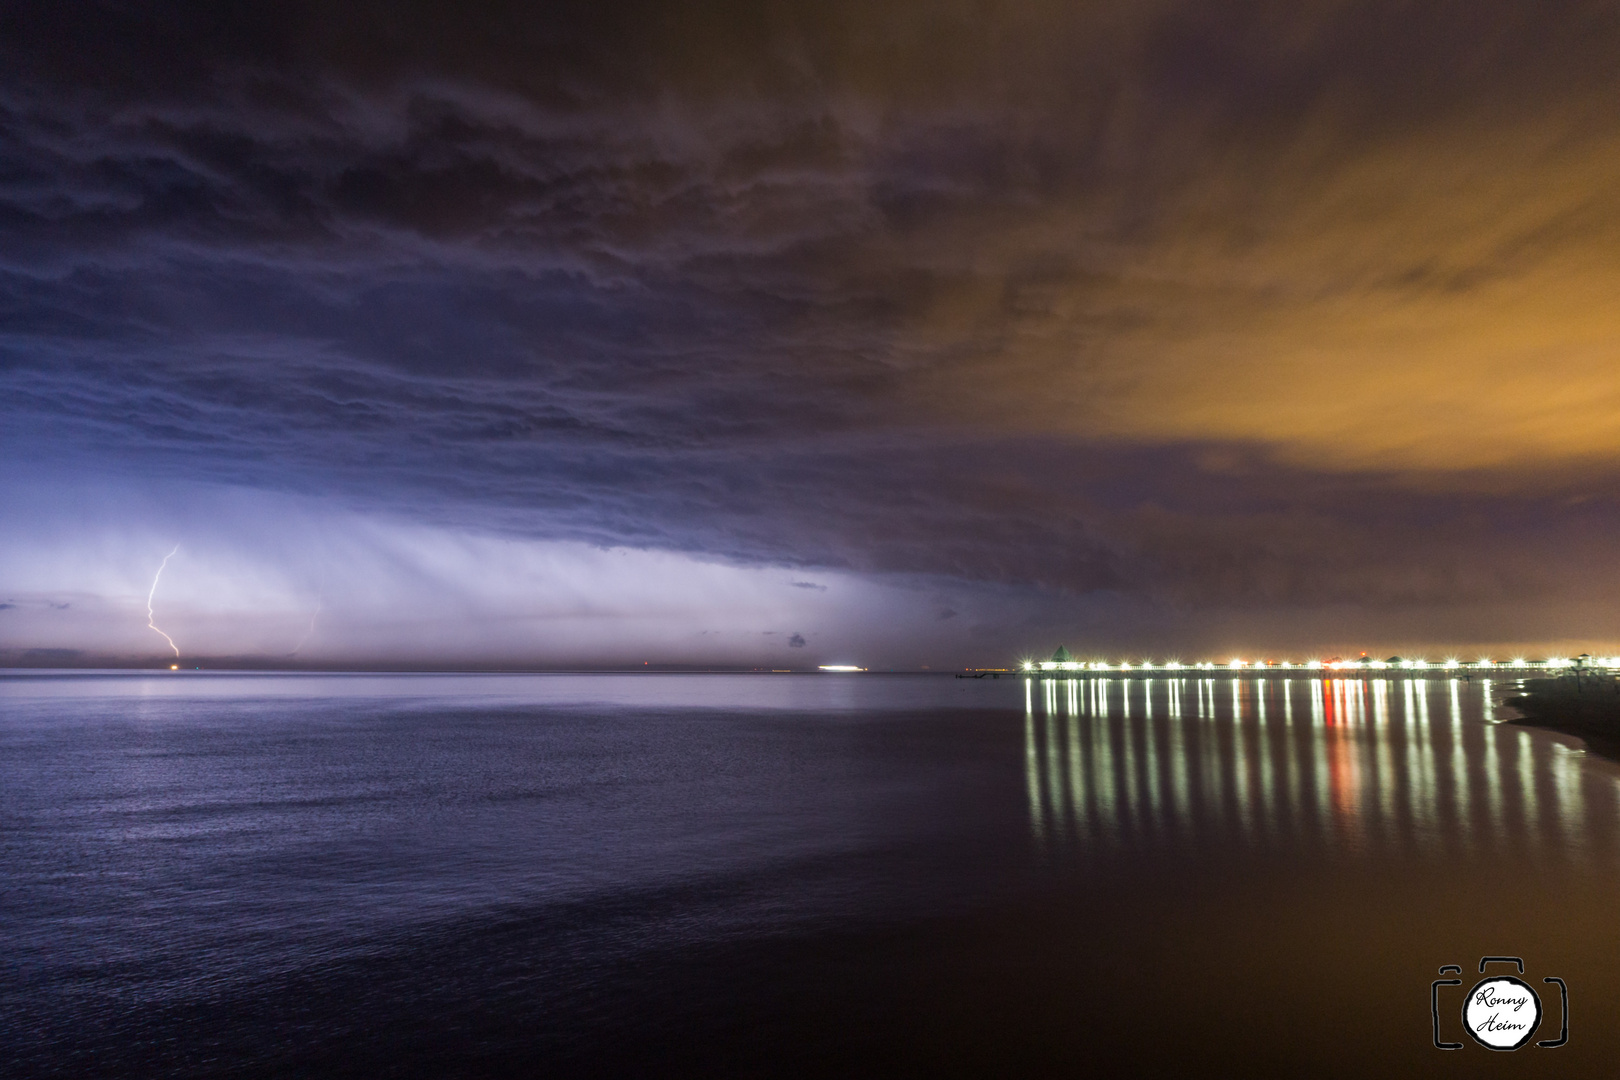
{"x": 1064, "y": 665}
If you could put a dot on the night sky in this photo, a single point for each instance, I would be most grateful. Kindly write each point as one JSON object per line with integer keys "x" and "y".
{"x": 782, "y": 334}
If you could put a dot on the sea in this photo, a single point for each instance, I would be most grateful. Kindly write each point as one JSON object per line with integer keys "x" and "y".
{"x": 213, "y": 874}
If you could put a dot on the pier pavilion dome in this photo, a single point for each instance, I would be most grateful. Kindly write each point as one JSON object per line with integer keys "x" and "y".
{"x": 1062, "y": 656}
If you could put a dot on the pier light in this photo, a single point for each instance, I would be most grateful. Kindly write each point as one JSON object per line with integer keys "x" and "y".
{"x": 841, "y": 667}
{"x": 1047, "y": 665}
{"x": 1172, "y": 665}
{"x": 1236, "y": 664}
{"x": 1286, "y": 664}
{"x": 1313, "y": 664}
{"x": 1518, "y": 661}
{"x": 1380, "y": 664}
{"x": 1452, "y": 664}
{"x": 1124, "y": 665}
{"x": 1071, "y": 665}
{"x": 1028, "y": 666}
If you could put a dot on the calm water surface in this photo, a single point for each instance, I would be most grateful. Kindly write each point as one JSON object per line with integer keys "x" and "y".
{"x": 245, "y": 875}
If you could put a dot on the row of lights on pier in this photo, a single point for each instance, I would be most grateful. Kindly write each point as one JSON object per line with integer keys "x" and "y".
{"x": 1611, "y": 662}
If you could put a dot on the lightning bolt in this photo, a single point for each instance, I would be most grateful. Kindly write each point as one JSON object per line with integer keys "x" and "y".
{"x": 319, "y": 601}
{"x": 150, "y": 623}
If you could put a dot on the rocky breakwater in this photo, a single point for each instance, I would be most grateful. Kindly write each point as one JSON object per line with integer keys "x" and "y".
{"x": 1586, "y": 706}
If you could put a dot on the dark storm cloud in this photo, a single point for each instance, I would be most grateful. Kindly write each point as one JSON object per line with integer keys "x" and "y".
{"x": 1201, "y": 304}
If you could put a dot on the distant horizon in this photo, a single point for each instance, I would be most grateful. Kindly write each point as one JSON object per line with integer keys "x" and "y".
{"x": 1432, "y": 663}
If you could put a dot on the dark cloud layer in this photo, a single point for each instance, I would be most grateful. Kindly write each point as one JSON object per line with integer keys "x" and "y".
{"x": 1282, "y": 307}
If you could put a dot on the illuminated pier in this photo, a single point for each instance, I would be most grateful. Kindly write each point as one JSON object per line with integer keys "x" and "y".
{"x": 1064, "y": 665}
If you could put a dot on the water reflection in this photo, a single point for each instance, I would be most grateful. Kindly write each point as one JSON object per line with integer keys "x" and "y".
{"x": 1403, "y": 765}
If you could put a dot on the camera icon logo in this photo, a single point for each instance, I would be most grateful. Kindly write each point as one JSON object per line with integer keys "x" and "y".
{"x": 1501, "y": 1012}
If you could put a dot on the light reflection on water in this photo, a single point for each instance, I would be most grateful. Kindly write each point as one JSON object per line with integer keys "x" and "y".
{"x": 431, "y": 875}
{"x": 1401, "y": 766}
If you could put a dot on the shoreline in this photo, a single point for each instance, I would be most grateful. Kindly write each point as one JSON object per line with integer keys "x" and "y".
{"x": 1589, "y": 711}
